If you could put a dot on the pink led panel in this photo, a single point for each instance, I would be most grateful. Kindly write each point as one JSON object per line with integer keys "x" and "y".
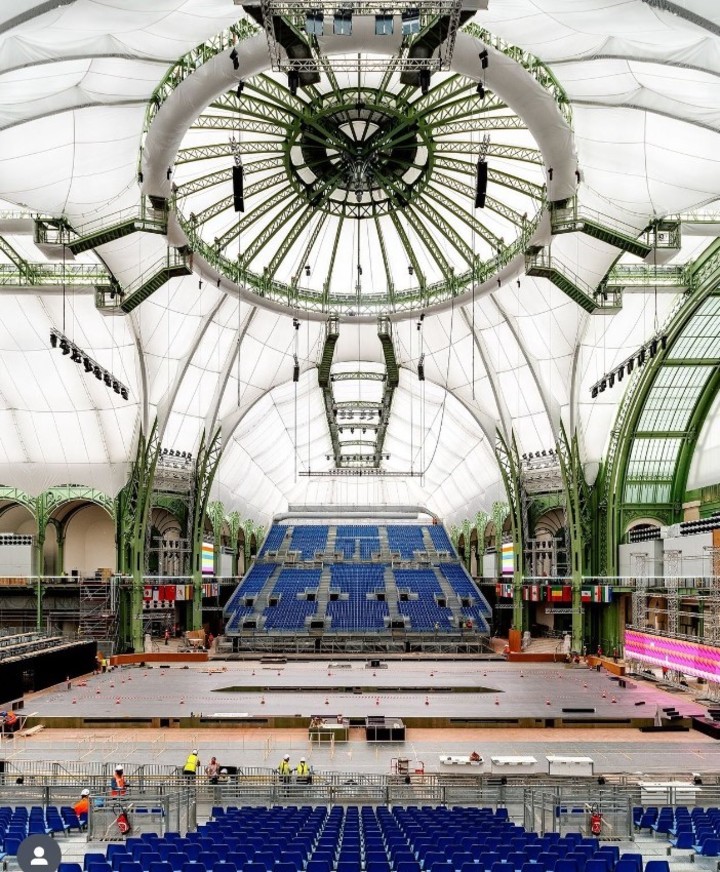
{"x": 692, "y": 658}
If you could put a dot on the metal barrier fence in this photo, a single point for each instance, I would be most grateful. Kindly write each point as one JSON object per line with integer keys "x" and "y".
{"x": 565, "y": 810}
{"x": 174, "y": 811}
{"x": 160, "y": 778}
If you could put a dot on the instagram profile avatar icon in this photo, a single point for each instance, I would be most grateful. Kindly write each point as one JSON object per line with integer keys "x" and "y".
{"x": 39, "y": 853}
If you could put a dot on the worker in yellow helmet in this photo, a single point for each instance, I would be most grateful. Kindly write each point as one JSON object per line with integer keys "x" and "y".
{"x": 303, "y": 773}
{"x": 191, "y": 764}
{"x": 284, "y": 769}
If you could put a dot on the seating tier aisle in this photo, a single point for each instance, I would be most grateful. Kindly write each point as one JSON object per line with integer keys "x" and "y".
{"x": 249, "y": 588}
{"x": 406, "y": 539}
{"x": 697, "y": 829}
{"x": 358, "y": 608}
{"x": 441, "y": 598}
{"x": 274, "y": 538}
{"x": 309, "y": 539}
{"x": 361, "y": 839}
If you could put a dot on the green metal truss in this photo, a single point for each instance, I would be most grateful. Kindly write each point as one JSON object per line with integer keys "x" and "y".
{"x": 206, "y": 464}
{"x": 539, "y": 262}
{"x": 570, "y": 217}
{"x": 614, "y": 512}
{"x": 299, "y": 130}
{"x": 133, "y": 514}
{"x": 508, "y": 460}
{"x": 579, "y": 524}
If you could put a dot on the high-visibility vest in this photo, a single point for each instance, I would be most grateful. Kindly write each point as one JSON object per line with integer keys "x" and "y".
{"x": 303, "y": 769}
{"x": 284, "y": 767}
{"x": 82, "y": 806}
{"x": 117, "y": 785}
{"x": 191, "y": 763}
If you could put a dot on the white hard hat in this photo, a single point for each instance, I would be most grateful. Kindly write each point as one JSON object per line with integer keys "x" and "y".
{"x": 302, "y": 759}
{"x": 194, "y": 750}
{"x": 85, "y": 792}
{"x": 119, "y": 767}
{"x": 286, "y": 757}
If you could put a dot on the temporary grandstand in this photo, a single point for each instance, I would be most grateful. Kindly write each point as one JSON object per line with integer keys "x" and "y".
{"x": 360, "y": 405}
{"x": 357, "y": 588}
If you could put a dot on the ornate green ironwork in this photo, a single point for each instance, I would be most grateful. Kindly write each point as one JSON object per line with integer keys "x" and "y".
{"x": 614, "y": 511}
{"x": 234, "y": 525}
{"x": 133, "y": 513}
{"x": 509, "y": 462}
{"x": 357, "y": 154}
{"x": 579, "y": 523}
{"x": 208, "y": 459}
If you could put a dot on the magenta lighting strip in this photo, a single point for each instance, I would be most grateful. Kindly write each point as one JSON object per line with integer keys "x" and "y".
{"x": 691, "y": 658}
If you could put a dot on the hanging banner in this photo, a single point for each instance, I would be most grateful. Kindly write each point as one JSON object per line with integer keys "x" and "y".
{"x": 507, "y": 559}
{"x": 207, "y": 563}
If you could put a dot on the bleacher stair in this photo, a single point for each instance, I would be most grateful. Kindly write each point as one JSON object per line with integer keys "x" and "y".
{"x": 391, "y": 594}
{"x": 323, "y": 594}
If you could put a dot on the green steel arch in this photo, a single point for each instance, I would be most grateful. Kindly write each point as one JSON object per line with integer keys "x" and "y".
{"x": 661, "y": 415}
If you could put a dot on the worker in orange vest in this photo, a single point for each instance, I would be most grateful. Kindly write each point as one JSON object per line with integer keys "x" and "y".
{"x": 82, "y": 806}
{"x": 118, "y": 785}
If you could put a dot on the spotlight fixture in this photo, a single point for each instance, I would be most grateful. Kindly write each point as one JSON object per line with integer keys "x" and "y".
{"x": 484, "y": 59}
{"x": 411, "y": 270}
{"x": 638, "y": 358}
{"x": 421, "y": 367}
{"x": 481, "y": 90}
{"x": 235, "y": 59}
{"x": 307, "y": 270}
{"x": 240, "y": 87}
{"x": 59, "y": 340}
{"x": 481, "y": 179}
{"x": 296, "y": 368}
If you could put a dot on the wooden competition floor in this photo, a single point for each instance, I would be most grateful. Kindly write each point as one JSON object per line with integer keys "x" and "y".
{"x": 423, "y": 693}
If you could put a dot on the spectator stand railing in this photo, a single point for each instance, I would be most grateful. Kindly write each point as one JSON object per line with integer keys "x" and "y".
{"x": 172, "y": 811}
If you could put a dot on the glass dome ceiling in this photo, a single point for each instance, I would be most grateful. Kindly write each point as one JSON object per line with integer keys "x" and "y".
{"x": 358, "y": 191}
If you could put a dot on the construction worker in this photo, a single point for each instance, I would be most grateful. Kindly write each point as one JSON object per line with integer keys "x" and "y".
{"x": 191, "y": 764}
{"x": 284, "y": 769}
{"x": 118, "y": 785}
{"x": 303, "y": 773}
{"x": 10, "y": 722}
{"x": 82, "y": 806}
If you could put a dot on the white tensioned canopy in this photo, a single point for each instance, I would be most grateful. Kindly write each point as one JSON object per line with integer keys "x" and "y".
{"x": 75, "y": 80}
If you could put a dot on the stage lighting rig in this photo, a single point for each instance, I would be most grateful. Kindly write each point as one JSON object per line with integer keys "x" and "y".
{"x": 90, "y": 366}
